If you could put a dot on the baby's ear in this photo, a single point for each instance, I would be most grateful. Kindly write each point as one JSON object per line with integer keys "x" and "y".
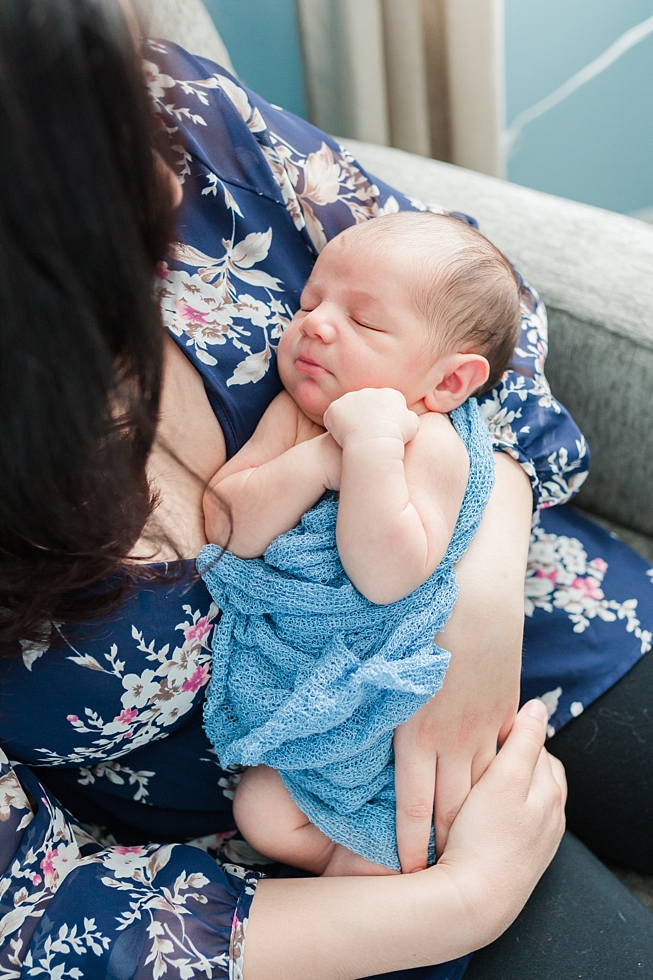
{"x": 461, "y": 376}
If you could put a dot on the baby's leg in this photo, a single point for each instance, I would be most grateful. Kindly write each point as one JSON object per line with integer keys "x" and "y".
{"x": 270, "y": 820}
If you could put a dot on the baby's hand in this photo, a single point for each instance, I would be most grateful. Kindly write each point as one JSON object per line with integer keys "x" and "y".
{"x": 371, "y": 413}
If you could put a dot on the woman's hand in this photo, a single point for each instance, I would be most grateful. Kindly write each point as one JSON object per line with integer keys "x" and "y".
{"x": 500, "y": 843}
{"x": 508, "y": 829}
{"x": 443, "y": 750}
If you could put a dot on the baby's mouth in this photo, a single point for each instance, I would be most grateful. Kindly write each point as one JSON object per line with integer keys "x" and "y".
{"x": 306, "y": 365}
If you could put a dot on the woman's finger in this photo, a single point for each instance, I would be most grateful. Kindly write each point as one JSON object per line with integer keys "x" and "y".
{"x": 521, "y": 750}
{"x": 557, "y": 770}
{"x": 415, "y": 764}
{"x": 452, "y": 785}
{"x": 480, "y": 763}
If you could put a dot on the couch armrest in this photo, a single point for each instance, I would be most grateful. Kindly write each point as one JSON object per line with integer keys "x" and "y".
{"x": 594, "y": 270}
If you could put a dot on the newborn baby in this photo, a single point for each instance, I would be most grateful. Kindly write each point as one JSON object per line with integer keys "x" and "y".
{"x": 403, "y": 319}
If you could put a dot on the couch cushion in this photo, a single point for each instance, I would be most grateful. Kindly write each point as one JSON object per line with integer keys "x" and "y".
{"x": 186, "y": 22}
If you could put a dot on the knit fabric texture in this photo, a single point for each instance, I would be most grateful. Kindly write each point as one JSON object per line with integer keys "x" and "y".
{"x": 312, "y": 678}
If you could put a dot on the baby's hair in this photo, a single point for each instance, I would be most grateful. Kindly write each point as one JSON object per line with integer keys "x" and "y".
{"x": 464, "y": 286}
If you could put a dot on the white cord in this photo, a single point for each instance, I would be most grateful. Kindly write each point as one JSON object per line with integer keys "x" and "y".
{"x": 628, "y": 40}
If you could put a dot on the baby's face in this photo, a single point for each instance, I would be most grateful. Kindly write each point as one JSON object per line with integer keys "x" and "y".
{"x": 357, "y": 328}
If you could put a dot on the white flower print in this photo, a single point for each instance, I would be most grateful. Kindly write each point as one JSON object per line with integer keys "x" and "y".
{"x": 321, "y": 177}
{"x": 250, "y": 114}
{"x": 118, "y": 774}
{"x": 12, "y": 797}
{"x": 251, "y": 370}
{"x": 207, "y": 306}
{"x": 152, "y": 700}
{"x": 157, "y": 81}
{"x": 139, "y": 689}
{"x": 560, "y": 575}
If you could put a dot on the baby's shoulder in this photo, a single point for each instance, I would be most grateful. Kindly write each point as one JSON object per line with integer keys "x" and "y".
{"x": 436, "y": 430}
{"x": 437, "y": 450}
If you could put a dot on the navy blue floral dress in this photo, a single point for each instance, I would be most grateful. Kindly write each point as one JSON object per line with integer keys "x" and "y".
{"x": 118, "y": 852}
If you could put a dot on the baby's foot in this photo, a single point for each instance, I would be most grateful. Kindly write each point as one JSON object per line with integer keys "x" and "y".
{"x": 344, "y": 863}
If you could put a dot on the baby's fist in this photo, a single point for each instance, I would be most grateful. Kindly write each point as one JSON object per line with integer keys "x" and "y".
{"x": 371, "y": 413}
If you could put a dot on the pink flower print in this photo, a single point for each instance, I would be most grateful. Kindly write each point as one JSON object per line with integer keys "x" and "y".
{"x": 36, "y": 879}
{"x": 588, "y": 587}
{"x": 162, "y": 271}
{"x": 197, "y": 680}
{"x": 552, "y": 575}
{"x": 120, "y": 849}
{"x": 600, "y": 565}
{"x": 58, "y": 862}
{"x": 198, "y": 630}
{"x": 73, "y": 719}
{"x": 126, "y": 716}
{"x": 47, "y": 867}
{"x": 190, "y": 314}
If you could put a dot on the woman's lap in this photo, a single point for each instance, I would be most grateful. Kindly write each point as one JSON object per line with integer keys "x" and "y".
{"x": 579, "y": 922}
{"x": 608, "y": 756}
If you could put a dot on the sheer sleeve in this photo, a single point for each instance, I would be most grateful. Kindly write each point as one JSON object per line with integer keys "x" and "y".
{"x": 244, "y": 142}
{"x": 71, "y": 908}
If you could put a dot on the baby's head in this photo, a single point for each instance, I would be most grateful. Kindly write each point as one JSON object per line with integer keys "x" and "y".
{"x": 416, "y": 301}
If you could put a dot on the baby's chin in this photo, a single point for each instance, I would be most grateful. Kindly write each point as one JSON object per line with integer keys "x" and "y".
{"x": 310, "y": 399}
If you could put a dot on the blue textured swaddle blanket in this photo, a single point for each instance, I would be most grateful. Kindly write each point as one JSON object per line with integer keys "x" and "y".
{"x": 312, "y": 678}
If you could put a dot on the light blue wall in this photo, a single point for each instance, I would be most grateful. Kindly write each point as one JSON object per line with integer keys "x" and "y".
{"x": 262, "y": 37}
{"x": 597, "y": 146}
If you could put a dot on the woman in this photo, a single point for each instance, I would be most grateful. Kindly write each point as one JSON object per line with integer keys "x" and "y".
{"x": 114, "y": 686}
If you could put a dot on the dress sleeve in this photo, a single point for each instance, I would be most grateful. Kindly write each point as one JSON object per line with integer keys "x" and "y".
{"x": 324, "y": 190}
{"x": 72, "y": 908}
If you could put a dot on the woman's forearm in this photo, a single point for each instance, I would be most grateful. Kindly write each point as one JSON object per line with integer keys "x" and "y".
{"x": 489, "y": 612}
{"x": 501, "y": 842}
{"x": 346, "y": 928}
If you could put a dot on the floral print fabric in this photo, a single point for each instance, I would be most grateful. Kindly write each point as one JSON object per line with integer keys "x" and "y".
{"x": 149, "y": 878}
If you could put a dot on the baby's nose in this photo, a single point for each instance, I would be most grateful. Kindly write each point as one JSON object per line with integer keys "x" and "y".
{"x": 318, "y": 324}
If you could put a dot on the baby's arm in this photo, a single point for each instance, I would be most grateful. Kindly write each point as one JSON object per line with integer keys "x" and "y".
{"x": 275, "y": 478}
{"x": 402, "y": 485}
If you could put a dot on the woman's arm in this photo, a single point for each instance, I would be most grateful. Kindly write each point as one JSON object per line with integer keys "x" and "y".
{"x": 500, "y": 844}
{"x": 72, "y": 908}
{"x": 444, "y": 749}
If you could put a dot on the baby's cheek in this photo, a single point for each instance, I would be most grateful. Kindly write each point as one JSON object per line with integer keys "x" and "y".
{"x": 285, "y": 357}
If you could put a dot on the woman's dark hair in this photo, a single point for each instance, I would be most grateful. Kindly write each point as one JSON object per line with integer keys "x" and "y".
{"x": 85, "y": 216}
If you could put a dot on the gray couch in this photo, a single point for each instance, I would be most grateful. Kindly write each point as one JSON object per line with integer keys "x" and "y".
{"x": 594, "y": 270}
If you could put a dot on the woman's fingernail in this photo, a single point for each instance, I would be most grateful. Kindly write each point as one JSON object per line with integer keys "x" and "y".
{"x": 537, "y": 709}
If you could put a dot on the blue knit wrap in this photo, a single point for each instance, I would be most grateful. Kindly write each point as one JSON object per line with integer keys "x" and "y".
{"x": 312, "y": 678}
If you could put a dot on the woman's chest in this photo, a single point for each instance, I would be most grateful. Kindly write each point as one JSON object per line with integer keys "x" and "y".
{"x": 97, "y": 693}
